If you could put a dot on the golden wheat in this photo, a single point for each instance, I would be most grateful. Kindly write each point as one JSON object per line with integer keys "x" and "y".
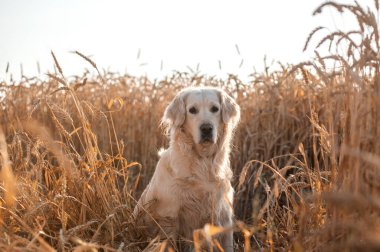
{"x": 305, "y": 158}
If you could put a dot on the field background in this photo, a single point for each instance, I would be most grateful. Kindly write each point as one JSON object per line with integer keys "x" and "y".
{"x": 77, "y": 152}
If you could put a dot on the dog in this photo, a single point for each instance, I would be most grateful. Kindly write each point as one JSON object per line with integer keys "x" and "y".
{"x": 191, "y": 184}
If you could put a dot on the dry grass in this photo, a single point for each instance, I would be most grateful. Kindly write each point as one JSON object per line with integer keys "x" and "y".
{"x": 75, "y": 154}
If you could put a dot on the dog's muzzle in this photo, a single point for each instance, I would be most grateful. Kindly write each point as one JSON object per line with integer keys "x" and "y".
{"x": 206, "y": 132}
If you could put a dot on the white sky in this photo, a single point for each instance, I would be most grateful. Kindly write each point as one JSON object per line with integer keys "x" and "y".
{"x": 179, "y": 33}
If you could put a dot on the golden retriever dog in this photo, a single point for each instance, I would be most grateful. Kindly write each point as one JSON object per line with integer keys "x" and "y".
{"x": 191, "y": 184}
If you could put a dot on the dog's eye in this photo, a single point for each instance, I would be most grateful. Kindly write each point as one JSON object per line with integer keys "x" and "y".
{"x": 214, "y": 109}
{"x": 193, "y": 110}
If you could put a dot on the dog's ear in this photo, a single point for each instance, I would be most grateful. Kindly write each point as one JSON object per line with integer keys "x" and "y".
{"x": 175, "y": 112}
{"x": 230, "y": 109}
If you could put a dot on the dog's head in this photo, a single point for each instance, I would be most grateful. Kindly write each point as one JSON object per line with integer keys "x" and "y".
{"x": 201, "y": 112}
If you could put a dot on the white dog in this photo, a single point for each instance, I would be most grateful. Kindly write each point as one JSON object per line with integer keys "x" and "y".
{"x": 191, "y": 184}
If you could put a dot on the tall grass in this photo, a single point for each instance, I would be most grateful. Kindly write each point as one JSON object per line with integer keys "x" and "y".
{"x": 77, "y": 153}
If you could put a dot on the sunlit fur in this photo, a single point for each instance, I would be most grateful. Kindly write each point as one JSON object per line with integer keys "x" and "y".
{"x": 191, "y": 184}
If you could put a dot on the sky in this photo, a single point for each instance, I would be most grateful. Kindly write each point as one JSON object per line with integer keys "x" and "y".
{"x": 155, "y": 37}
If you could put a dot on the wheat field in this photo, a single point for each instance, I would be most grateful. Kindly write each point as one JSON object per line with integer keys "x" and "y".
{"x": 77, "y": 152}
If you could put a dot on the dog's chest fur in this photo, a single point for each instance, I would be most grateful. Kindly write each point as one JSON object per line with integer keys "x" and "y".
{"x": 203, "y": 196}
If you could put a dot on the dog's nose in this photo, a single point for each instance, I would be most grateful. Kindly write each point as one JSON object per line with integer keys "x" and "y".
{"x": 206, "y": 130}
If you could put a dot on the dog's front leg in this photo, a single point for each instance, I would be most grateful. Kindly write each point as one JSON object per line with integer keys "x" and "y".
{"x": 228, "y": 241}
